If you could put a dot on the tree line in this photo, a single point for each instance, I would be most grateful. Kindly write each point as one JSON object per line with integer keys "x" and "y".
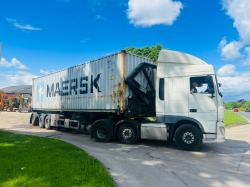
{"x": 241, "y": 105}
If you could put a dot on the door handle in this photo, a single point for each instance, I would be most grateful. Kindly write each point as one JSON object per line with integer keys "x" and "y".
{"x": 193, "y": 110}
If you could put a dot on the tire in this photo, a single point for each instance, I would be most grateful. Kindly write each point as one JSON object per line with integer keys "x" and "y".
{"x": 41, "y": 121}
{"x": 127, "y": 133}
{"x": 31, "y": 118}
{"x": 47, "y": 122}
{"x": 34, "y": 119}
{"x": 102, "y": 130}
{"x": 188, "y": 137}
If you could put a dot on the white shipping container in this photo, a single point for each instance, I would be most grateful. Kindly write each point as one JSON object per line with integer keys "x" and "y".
{"x": 95, "y": 86}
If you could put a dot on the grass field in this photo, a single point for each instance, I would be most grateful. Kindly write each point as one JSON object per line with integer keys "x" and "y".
{"x": 232, "y": 118}
{"x": 28, "y": 161}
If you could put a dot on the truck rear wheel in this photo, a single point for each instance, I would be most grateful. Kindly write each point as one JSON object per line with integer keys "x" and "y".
{"x": 34, "y": 119}
{"x": 102, "y": 130}
{"x": 188, "y": 137}
{"x": 41, "y": 121}
{"x": 47, "y": 122}
{"x": 127, "y": 133}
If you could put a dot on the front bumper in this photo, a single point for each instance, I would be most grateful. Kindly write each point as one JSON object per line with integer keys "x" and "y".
{"x": 219, "y": 137}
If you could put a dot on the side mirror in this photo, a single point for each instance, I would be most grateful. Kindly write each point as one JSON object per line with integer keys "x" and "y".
{"x": 219, "y": 84}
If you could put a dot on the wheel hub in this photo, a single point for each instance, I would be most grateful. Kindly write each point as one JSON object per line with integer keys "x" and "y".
{"x": 127, "y": 133}
{"x": 188, "y": 138}
{"x": 101, "y": 133}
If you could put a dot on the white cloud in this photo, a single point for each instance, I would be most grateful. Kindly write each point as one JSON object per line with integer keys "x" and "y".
{"x": 13, "y": 63}
{"x": 247, "y": 60}
{"x": 227, "y": 70}
{"x": 4, "y": 63}
{"x": 235, "y": 85}
{"x": 239, "y": 11}
{"x": 21, "y": 26}
{"x": 17, "y": 64}
{"x": 231, "y": 50}
{"x": 14, "y": 73}
{"x": 16, "y": 78}
{"x": 46, "y": 72}
{"x": 146, "y": 13}
{"x": 27, "y": 27}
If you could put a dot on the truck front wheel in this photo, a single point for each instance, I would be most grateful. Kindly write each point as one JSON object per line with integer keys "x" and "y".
{"x": 127, "y": 133}
{"x": 188, "y": 137}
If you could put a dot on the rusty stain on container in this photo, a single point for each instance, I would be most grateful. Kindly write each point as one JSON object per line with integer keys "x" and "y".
{"x": 121, "y": 85}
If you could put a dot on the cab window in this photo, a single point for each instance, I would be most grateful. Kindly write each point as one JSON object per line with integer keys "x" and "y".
{"x": 202, "y": 85}
{"x": 161, "y": 89}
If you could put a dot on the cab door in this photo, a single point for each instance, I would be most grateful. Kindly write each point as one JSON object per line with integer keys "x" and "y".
{"x": 203, "y": 101}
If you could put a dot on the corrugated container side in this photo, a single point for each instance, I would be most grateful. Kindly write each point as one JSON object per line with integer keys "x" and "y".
{"x": 97, "y": 85}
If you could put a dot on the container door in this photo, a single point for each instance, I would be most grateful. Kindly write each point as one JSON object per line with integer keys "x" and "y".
{"x": 203, "y": 102}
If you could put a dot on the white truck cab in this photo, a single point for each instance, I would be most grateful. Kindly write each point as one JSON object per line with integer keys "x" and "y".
{"x": 187, "y": 92}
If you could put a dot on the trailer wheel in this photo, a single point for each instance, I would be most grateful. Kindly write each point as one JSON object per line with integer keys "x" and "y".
{"x": 127, "y": 133}
{"x": 188, "y": 137}
{"x": 47, "y": 122}
{"x": 41, "y": 121}
{"x": 34, "y": 119}
{"x": 102, "y": 131}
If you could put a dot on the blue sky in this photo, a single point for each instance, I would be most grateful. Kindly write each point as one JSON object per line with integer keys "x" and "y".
{"x": 46, "y": 35}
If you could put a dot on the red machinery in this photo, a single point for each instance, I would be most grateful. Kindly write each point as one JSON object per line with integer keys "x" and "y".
{"x": 14, "y": 102}
{"x": 8, "y": 101}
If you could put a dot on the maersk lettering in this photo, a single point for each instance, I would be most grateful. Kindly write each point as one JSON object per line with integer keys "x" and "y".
{"x": 57, "y": 91}
{"x": 84, "y": 85}
{"x": 50, "y": 91}
{"x": 65, "y": 88}
{"x": 74, "y": 86}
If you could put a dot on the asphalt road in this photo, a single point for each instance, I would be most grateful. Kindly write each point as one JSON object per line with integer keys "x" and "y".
{"x": 246, "y": 115}
{"x": 156, "y": 164}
